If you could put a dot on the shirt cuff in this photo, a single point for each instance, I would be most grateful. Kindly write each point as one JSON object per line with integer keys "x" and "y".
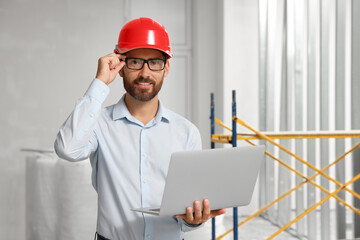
{"x": 98, "y": 90}
{"x": 187, "y": 227}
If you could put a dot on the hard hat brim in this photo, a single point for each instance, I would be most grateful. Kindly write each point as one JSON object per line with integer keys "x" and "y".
{"x": 118, "y": 50}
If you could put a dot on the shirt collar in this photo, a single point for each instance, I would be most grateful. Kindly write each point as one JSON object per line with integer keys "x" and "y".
{"x": 121, "y": 111}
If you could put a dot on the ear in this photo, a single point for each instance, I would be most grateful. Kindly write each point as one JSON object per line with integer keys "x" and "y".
{"x": 167, "y": 67}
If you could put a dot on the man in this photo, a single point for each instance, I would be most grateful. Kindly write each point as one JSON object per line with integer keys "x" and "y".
{"x": 129, "y": 144}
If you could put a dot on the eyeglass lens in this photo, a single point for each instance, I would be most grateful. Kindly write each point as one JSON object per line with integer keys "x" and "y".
{"x": 138, "y": 63}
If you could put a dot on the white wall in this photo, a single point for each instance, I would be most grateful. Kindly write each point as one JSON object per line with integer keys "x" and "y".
{"x": 208, "y": 67}
{"x": 241, "y": 59}
{"x": 48, "y": 57}
{"x": 241, "y": 70}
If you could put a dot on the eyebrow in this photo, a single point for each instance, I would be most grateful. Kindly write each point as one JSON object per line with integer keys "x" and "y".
{"x": 162, "y": 57}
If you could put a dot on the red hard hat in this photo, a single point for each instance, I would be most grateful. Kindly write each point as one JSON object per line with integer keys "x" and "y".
{"x": 143, "y": 33}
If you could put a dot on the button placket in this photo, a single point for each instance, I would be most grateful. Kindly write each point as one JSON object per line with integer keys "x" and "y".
{"x": 145, "y": 187}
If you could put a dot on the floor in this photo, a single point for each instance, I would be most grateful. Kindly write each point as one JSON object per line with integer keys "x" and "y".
{"x": 256, "y": 229}
{"x": 260, "y": 229}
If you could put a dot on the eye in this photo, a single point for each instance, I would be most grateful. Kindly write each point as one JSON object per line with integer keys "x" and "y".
{"x": 134, "y": 61}
{"x": 153, "y": 61}
{"x": 156, "y": 62}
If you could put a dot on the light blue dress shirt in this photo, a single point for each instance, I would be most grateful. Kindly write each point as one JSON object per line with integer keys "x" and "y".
{"x": 129, "y": 162}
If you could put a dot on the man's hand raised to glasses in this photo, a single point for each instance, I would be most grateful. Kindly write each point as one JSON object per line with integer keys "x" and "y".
{"x": 109, "y": 66}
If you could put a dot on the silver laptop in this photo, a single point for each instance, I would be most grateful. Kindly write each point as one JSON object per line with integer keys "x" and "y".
{"x": 225, "y": 176}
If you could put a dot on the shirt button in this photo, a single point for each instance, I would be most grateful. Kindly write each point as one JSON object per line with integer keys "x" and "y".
{"x": 144, "y": 154}
{"x": 148, "y": 236}
{"x": 144, "y": 181}
{"x": 103, "y": 93}
{"x": 91, "y": 115}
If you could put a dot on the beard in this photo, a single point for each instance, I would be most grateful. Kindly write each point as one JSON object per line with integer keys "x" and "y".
{"x": 140, "y": 94}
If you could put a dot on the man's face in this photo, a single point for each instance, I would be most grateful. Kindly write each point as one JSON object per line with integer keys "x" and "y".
{"x": 143, "y": 84}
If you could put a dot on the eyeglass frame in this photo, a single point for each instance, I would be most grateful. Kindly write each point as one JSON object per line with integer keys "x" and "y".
{"x": 145, "y": 61}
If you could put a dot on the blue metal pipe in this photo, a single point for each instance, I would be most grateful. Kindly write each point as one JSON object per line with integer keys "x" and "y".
{"x": 212, "y": 117}
{"x": 234, "y": 144}
{"x": 212, "y": 130}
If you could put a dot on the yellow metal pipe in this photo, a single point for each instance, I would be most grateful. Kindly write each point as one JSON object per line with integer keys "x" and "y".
{"x": 314, "y": 206}
{"x": 316, "y": 185}
{"x": 293, "y": 189}
{"x": 329, "y": 134}
{"x": 318, "y": 171}
{"x": 295, "y": 156}
{"x": 300, "y": 137}
{"x": 255, "y": 137}
{"x": 300, "y": 174}
{"x": 288, "y": 134}
{"x": 222, "y": 124}
{"x": 261, "y": 210}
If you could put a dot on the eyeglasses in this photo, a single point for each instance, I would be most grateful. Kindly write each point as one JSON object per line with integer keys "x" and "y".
{"x": 154, "y": 64}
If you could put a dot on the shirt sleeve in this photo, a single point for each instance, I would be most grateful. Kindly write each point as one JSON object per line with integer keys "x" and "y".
{"x": 187, "y": 227}
{"x": 194, "y": 141}
{"x": 76, "y": 139}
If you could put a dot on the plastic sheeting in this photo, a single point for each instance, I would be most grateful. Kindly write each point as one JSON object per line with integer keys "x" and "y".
{"x": 60, "y": 200}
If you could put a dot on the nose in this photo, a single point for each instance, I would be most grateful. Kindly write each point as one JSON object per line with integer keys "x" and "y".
{"x": 145, "y": 71}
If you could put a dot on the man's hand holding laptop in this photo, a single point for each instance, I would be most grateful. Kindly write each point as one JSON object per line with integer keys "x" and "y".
{"x": 195, "y": 216}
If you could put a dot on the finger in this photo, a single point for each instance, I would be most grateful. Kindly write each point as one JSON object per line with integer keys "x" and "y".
{"x": 117, "y": 55}
{"x": 206, "y": 210}
{"x": 116, "y": 65}
{"x": 218, "y": 212}
{"x": 120, "y": 56}
{"x": 183, "y": 216}
{"x": 119, "y": 66}
{"x": 189, "y": 215}
{"x": 197, "y": 210}
{"x": 110, "y": 59}
{"x": 113, "y": 62}
{"x": 112, "y": 54}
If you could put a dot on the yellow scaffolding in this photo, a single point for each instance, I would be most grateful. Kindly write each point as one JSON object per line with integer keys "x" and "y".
{"x": 259, "y": 135}
{"x": 223, "y": 138}
{"x": 270, "y": 136}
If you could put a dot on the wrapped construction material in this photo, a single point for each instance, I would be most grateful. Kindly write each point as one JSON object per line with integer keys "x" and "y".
{"x": 60, "y": 200}
{"x": 77, "y": 202}
{"x": 41, "y": 197}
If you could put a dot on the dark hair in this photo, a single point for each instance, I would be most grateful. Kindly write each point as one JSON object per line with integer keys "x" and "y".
{"x": 165, "y": 55}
